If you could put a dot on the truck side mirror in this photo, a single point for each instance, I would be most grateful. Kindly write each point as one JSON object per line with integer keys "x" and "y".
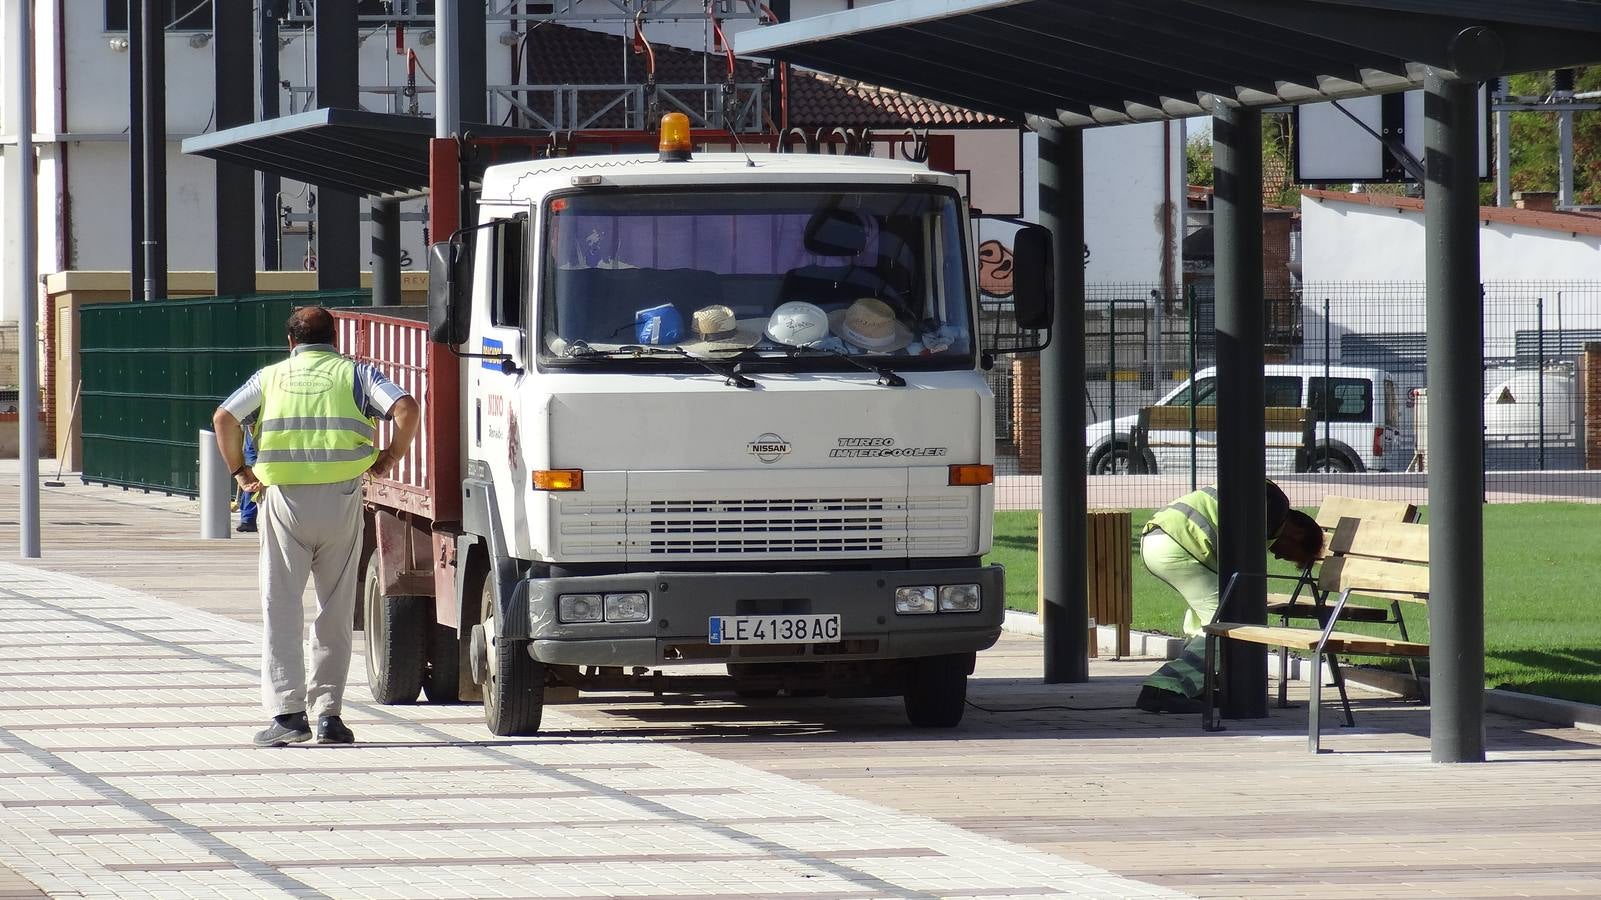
{"x": 447, "y": 313}
{"x": 1033, "y": 278}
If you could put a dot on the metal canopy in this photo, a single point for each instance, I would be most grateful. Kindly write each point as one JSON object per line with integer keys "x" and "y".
{"x": 1111, "y": 62}
{"x": 359, "y": 152}
{"x": 365, "y": 153}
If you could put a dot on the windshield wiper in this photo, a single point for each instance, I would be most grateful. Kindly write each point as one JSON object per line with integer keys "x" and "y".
{"x": 886, "y": 375}
{"x": 730, "y": 373}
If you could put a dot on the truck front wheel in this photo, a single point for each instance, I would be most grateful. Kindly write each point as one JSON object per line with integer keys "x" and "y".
{"x": 936, "y": 693}
{"x": 393, "y": 628}
{"x": 514, "y": 682}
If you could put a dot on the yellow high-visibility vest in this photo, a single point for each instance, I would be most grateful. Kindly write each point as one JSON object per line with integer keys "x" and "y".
{"x": 311, "y": 431}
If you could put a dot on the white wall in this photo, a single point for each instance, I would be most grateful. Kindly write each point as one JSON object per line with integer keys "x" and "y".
{"x": 1350, "y": 242}
{"x": 1124, "y": 177}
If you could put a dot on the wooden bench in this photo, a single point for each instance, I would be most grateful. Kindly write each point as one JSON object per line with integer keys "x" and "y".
{"x": 1305, "y": 601}
{"x": 1285, "y": 428}
{"x": 1387, "y": 560}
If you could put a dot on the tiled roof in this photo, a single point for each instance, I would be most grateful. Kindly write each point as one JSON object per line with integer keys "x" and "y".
{"x": 1571, "y": 223}
{"x": 568, "y": 56}
{"x": 817, "y": 100}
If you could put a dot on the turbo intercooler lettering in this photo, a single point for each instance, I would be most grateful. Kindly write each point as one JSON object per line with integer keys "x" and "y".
{"x": 879, "y": 448}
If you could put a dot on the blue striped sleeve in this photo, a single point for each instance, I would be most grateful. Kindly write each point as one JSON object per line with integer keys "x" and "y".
{"x": 375, "y": 394}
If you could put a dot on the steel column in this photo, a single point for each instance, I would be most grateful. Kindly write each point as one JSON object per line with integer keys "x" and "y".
{"x": 1241, "y": 467}
{"x": 267, "y": 87}
{"x": 27, "y": 290}
{"x": 1064, "y": 597}
{"x": 338, "y": 214}
{"x": 385, "y": 218}
{"x": 153, "y": 34}
{"x": 1503, "y": 145}
{"x": 447, "y": 65}
{"x": 236, "y": 185}
{"x": 136, "y": 153}
{"x": 1456, "y": 418}
{"x": 472, "y": 88}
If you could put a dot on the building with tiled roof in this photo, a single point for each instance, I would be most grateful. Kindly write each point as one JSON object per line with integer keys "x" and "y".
{"x": 568, "y": 56}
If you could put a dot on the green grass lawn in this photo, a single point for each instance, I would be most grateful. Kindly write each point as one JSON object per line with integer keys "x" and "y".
{"x": 1542, "y": 617}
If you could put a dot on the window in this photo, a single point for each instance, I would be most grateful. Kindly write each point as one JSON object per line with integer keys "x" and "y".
{"x": 1283, "y": 390}
{"x": 1205, "y": 394}
{"x": 509, "y": 270}
{"x": 1350, "y": 401}
{"x": 178, "y": 15}
{"x": 874, "y": 271}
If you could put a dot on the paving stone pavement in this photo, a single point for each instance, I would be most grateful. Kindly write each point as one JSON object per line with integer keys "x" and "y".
{"x": 124, "y": 768}
{"x": 125, "y": 771}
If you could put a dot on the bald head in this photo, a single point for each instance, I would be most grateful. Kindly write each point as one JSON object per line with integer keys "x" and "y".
{"x": 311, "y": 325}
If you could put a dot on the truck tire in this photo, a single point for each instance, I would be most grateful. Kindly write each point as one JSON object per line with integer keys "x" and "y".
{"x": 441, "y": 682}
{"x": 514, "y": 682}
{"x": 936, "y": 694}
{"x": 394, "y": 630}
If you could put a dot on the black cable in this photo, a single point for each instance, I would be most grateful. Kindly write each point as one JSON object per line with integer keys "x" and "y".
{"x": 1044, "y": 708}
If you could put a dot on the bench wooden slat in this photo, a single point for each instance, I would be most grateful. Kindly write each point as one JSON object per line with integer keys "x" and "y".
{"x": 1399, "y": 541}
{"x": 1336, "y": 507}
{"x": 1340, "y": 642}
{"x": 1304, "y": 610}
{"x": 1403, "y": 581}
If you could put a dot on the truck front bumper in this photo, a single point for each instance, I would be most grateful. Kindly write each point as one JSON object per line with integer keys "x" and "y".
{"x": 683, "y": 603}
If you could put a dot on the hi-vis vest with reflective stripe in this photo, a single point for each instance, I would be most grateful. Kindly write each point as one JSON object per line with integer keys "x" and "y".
{"x": 311, "y": 431}
{"x": 1192, "y": 519}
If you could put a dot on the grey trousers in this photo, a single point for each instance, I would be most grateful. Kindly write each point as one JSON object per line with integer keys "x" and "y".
{"x": 308, "y": 530}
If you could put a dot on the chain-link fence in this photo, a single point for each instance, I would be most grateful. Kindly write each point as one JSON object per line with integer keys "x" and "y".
{"x": 1354, "y": 354}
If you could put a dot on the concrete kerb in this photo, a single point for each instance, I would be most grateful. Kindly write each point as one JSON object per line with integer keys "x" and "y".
{"x": 1565, "y": 713}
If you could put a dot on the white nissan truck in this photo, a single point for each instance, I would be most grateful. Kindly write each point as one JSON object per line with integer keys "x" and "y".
{"x": 689, "y": 409}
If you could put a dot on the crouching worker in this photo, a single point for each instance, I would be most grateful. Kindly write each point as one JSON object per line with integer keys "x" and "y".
{"x": 1180, "y": 547}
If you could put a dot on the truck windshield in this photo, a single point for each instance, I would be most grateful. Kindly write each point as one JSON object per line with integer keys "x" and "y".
{"x": 756, "y": 274}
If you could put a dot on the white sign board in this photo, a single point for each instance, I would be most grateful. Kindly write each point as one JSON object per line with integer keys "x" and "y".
{"x": 1330, "y": 147}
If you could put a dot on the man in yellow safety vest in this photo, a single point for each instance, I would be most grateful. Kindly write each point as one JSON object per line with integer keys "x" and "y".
{"x": 1180, "y": 547}
{"x": 314, "y": 420}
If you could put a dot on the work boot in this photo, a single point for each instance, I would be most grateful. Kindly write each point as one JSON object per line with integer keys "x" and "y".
{"x": 1156, "y": 700}
{"x": 289, "y": 728}
{"x": 332, "y": 730}
{"x": 247, "y": 526}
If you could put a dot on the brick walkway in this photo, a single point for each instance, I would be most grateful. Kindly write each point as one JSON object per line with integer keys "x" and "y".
{"x": 124, "y": 769}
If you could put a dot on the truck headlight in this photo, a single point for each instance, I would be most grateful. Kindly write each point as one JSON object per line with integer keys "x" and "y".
{"x": 575, "y": 608}
{"x": 959, "y": 598}
{"x": 630, "y": 607}
{"x": 916, "y": 600}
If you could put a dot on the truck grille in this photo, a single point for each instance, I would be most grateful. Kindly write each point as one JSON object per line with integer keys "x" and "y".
{"x": 788, "y": 526}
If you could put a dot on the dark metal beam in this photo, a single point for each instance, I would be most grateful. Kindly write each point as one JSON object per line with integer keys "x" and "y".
{"x": 338, "y": 215}
{"x": 472, "y": 89}
{"x": 236, "y": 185}
{"x": 153, "y": 35}
{"x": 267, "y": 86}
{"x": 1241, "y": 467}
{"x": 385, "y": 216}
{"x": 136, "y": 152}
{"x": 1064, "y": 593}
{"x": 1456, "y": 418}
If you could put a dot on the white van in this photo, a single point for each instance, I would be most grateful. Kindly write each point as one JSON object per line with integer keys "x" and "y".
{"x": 1360, "y": 436}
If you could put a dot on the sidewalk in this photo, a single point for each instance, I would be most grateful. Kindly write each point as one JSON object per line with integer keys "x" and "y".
{"x": 125, "y": 770}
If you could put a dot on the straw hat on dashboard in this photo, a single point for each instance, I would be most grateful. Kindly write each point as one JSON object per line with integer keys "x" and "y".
{"x": 715, "y": 328}
{"x": 871, "y": 325}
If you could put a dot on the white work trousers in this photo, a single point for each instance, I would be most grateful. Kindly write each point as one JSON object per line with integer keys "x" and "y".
{"x": 315, "y": 530}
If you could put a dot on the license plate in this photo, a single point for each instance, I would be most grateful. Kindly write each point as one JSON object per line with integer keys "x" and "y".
{"x": 773, "y": 630}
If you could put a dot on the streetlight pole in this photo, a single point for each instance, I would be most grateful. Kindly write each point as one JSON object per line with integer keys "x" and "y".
{"x": 28, "y": 289}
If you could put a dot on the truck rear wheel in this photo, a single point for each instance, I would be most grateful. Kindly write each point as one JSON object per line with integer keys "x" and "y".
{"x": 441, "y": 682}
{"x": 393, "y": 629}
{"x": 514, "y": 682}
{"x": 936, "y": 694}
